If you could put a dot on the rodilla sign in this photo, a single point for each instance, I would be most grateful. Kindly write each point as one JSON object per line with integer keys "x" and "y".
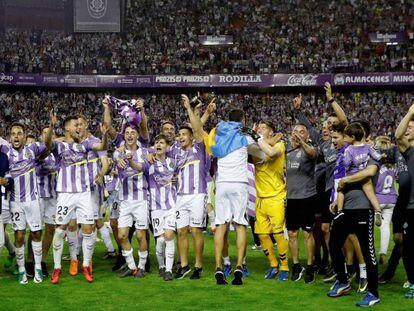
{"x": 208, "y": 81}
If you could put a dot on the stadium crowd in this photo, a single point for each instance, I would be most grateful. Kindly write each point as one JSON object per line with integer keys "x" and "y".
{"x": 322, "y": 36}
{"x": 382, "y": 108}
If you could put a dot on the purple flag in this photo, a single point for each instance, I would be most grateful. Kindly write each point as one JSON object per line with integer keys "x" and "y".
{"x": 127, "y": 109}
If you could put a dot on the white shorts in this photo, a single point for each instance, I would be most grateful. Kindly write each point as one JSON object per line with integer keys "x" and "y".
{"x": 6, "y": 215}
{"x": 48, "y": 210}
{"x": 77, "y": 205}
{"x": 113, "y": 203}
{"x": 130, "y": 211}
{"x": 163, "y": 220}
{"x": 191, "y": 210}
{"x": 231, "y": 203}
{"x": 26, "y": 214}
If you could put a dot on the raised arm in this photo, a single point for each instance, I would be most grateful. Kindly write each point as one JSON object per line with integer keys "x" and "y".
{"x": 402, "y": 140}
{"x": 211, "y": 108}
{"x": 143, "y": 126}
{"x": 301, "y": 118}
{"x": 107, "y": 119}
{"x": 103, "y": 145}
{"x": 340, "y": 113}
{"x": 194, "y": 120}
{"x": 49, "y": 135}
{"x": 309, "y": 150}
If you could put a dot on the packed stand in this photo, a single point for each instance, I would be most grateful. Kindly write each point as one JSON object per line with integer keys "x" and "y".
{"x": 267, "y": 39}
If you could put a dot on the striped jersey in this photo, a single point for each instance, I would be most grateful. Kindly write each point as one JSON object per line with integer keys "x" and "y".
{"x": 73, "y": 175}
{"x": 94, "y": 164}
{"x": 46, "y": 172}
{"x": 192, "y": 176}
{"x": 111, "y": 183}
{"x": 133, "y": 184}
{"x": 22, "y": 170}
{"x": 161, "y": 188}
{"x": 251, "y": 203}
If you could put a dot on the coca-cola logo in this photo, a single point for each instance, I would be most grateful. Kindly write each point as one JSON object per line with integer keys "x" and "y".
{"x": 4, "y": 78}
{"x": 302, "y": 79}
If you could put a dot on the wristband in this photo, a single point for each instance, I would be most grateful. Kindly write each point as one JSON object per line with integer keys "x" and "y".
{"x": 331, "y": 100}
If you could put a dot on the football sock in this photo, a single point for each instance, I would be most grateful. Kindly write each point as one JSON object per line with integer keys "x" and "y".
{"x": 106, "y": 237}
{"x": 37, "y": 254}
{"x": 129, "y": 258}
{"x": 20, "y": 258}
{"x": 58, "y": 248}
{"x": 88, "y": 244}
{"x": 73, "y": 244}
{"x": 142, "y": 259}
{"x": 169, "y": 255}
{"x": 160, "y": 251}
{"x": 282, "y": 249}
{"x": 9, "y": 245}
{"x": 362, "y": 271}
{"x": 267, "y": 245}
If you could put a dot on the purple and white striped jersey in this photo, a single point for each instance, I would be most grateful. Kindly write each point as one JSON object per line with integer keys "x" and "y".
{"x": 251, "y": 203}
{"x": 72, "y": 159}
{"x": 161, "y": 188}
{"x": 192, "y": 177}
{"x": 111, "y": 183}
{"x": 46, "y": 172}
{"x": 22, "y": 170}
{"x": 94, "y": 164}
{"x": 133, "y": 184}
{"x": 384, "y": 188}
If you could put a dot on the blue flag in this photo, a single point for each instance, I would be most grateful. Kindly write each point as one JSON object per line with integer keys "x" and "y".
{"x": 228, "y": 138}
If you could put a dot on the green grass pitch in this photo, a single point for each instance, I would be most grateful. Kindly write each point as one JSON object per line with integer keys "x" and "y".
{"x": 108, "y": 292}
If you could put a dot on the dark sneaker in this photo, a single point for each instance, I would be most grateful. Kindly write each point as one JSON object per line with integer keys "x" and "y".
{"x": 310, "y": 274}
{"x": 161, "y": 272}
{"x": 330, "y": 275}
{"x": 127, "y": 272}
{"x": 220, "y": 278}
{"x": 44, "y": 270}
{"x": 182, "y": 272}
{"x": 109, "y": 255}
{"x": 140, "y": 274}
{"x": 363, "y": 285}
{"x": 238, "y": 276}
{"x": 384, "y": 278}
{"x": 120, "y": 261}
{"x": 29, "y": 269}
{"x": 297, "y": 272}
{"x": 196, "y": 274}
{"x": 168, "y": 276}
